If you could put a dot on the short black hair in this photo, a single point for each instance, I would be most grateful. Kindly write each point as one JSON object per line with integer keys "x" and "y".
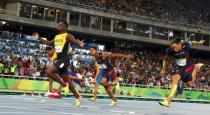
{"x": 49, "y": 48}
{"x": 67, "y": 25}
{"x": 95, "y": 48}
{"x": 176, "y": 40}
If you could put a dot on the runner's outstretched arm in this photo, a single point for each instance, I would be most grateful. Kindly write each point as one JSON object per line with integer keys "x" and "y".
{"x": 42, "y": 40}
{"x": 72, "y": 39}
{"x": 197, "y": 42}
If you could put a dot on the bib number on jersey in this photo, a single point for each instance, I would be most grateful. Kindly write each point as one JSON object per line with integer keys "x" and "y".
{"x": 61, "y": 66}
{"x": 58, "y": 49}
{"x": 103, "y": 66}
{"x": 181, "y": 62}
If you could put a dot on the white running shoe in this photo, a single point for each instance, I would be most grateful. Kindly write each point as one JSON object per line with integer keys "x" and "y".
{"x": 47, "y": 94}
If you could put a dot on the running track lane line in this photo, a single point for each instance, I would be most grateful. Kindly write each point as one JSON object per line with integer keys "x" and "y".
{"x": 38, "y": 110}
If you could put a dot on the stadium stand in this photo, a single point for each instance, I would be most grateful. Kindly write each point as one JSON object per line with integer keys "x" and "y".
{"x": 141, "y": 28}
{"x": 171, "y": 11}
{"x": 29, "y": 58}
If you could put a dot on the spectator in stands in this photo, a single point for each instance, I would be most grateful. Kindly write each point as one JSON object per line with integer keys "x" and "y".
{"x": 143, "y": 70}
{"x": 170, "y": 11}
{"x": 1, "y": 66}
{"x": 6, "y": 68}
{"x": 13, "y": 68}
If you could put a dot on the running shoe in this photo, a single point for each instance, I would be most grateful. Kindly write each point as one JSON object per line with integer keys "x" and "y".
{"x": 78, "y": 101}
{"x": 164, "y": 103}
{"x": 92, "y": 99}
{"x": 113, "y": 103}
{"x": 47, "y": 94}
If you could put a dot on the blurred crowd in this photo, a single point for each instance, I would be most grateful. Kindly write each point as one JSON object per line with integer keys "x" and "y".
{"x": 145, "y": 70}
{"x": 19, "y": 55}
{"x": 171, "y": 11}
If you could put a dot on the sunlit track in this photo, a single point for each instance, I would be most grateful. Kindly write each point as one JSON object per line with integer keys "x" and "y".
{"x": 32, "y": 105}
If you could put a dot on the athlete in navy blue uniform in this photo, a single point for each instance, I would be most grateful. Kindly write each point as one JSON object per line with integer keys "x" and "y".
{"x": 77, "y": 71}
{"x": 77, "y": 78}
{"x": 105, "y": 74}
{"x": 179, "y": 50}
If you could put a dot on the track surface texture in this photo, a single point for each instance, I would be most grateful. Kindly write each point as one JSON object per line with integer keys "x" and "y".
{"x": 33, "y": 105}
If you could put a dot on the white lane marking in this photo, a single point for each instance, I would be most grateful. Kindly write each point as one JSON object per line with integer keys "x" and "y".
{"x": 24, "y": 113}
{"x": 56, "y": 103}
{"x": 129, "y": 112}
{"x": 90, "y": 107}
{"x": 94, "y": 109}
{"x": 38, "y": 110}
{"x": 114, "y": 111}
{"x": 14, "y": 112}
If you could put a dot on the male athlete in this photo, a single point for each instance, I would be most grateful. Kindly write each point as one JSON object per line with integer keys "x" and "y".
{"x": 58, "y": 71}
{"x": 78, "y": 71}
{"x": 76, "y": 77}
{"x": 179, "y": 50}
{"x": 105, "y": 74}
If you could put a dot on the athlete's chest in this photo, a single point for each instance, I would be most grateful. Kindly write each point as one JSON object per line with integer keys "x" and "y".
{"x": 181, "y": 54}
{"x": 59, "y": 39}
{"x": 101, "y": 60}
{"x": 59, "y": 42}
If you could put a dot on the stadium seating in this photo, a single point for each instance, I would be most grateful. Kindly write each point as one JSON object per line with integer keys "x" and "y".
{"x": 32, "y": 61}
{"x": 171, "y": 11}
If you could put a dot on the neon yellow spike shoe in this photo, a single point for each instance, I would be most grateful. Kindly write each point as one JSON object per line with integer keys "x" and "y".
{"x": 66, "y": 89}
{"x": 92, "y": 99}
{"x": 113, "y": 103}
{"x": 164, "y": 103}
{"x": 78, "y": 101}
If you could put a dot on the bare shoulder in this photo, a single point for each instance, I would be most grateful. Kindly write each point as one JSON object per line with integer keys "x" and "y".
{"x": 70, "y": 36}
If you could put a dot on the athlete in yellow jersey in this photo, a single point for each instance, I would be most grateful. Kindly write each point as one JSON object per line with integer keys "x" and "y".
{"x": 58, "y": 70}
{"x": 55, "y": 93}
